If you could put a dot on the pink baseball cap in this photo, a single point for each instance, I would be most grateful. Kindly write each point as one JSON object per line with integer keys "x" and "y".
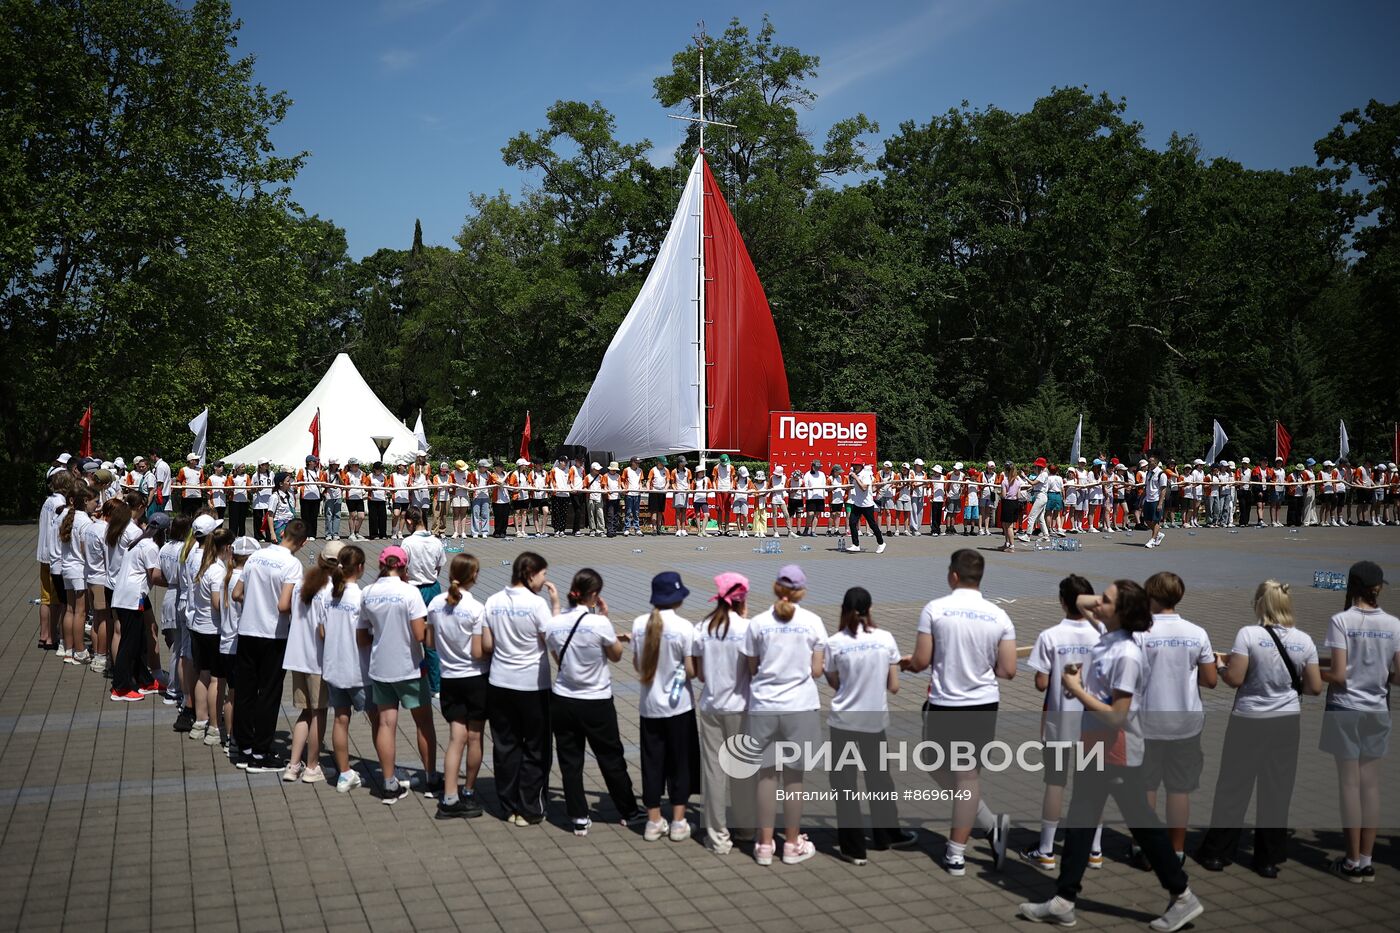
{"x": 731, "y": 587}
{"x": 393, "y": 550}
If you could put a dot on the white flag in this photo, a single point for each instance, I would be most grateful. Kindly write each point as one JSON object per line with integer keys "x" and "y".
{"x": 200, "y": 426}
{"x": 1217, "y": 443}
{"x": 419, "y": 433}
{"x": 1343, "y": 442}
{"x": 1074, "y": 448}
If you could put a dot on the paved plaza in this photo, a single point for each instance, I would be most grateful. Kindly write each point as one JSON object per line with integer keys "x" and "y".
{"x": 109, "y": 820}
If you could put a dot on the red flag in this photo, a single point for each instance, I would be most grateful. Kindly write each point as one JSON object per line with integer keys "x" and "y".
{"x": 85, "y": 422}
{"x": 315, "y": 430}
{"x": 1283, "y": 441}
{"x": 525, "y": 438}
{"x": 1147, "y": 443}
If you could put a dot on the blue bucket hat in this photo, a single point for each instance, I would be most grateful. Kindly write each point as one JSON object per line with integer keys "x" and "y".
{"x": 667, "y": 589}
{"x": 1311, "y": 462}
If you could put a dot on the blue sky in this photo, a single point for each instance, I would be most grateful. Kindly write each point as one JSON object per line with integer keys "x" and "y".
{"x": 405, "y": 104}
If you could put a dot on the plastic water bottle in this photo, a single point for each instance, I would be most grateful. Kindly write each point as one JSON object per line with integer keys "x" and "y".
{"x": 701, "y": 547}
{"x": 505, "y": 563}
{"x": 677, "y": 686}
{"x": 636, "y": 550}
{"x": 34, "y": 601}
{"x": 841, "y": 542}
{"x": 806, "y": 547}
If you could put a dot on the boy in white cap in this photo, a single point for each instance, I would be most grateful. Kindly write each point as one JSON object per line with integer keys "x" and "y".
{"x": 777, "y": 483}
{"x": 760, "y": 505}
{"x": 593, "y": 486}
{"x": 743, "y": 488}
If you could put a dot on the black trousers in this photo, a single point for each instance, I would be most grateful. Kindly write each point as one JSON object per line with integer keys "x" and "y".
{"x": 560, "y": 508}
{"x": 1092, "y": 788}
{"x": 1262, "y": 752}
{"x": 611, "y": 516}
{"x": 129, "y": 669}
{"x": 595, "y": 721}
{"x": 884, "y": 814}
{"x": 310, "y": 511}
{"x": 189, "y": 505}
{"x": 578, "y": 512}
{"x": 520, "y": 748}
{"x": 260, "y": 528}
{"x": 237, "y": 518}
{"x": 1246, "y": 501}
{"x": 378, "y": 518}
{"x": 257, "y": 670}
{"x": 500, "y": 511}
{"x": 867, "y": 513}
{"x": 670, "y": 758}
{"x": 1295, "y": 512}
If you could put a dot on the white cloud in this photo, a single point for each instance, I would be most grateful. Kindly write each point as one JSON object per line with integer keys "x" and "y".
{"x": 398, "y": 59}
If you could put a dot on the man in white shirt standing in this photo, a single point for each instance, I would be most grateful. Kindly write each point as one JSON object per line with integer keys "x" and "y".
{"x": 814, "y": 487}
{"x": 161, "y": 471}
{"x": 264, "y": 593}
{"x": 426, "y": 559}
{"x": 1153, "y": 496}
{"x": 1177, "y": 662}
{"x": 967, "y": 643}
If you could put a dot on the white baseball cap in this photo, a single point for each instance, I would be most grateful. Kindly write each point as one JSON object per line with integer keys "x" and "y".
{"x": 992, "y": 464}
{"x": 245, "y": 545}
{"x": 938, "y": 468}
{"x": 888, "y": 464}
{"x": 904, "y": 466}
{"x": 743, "y": 471}
{"x": 1244, "y": 460}
{"x": 205, "y": 524}
{"x": 1142, "y": 463}
{"x": 521, "y": 461}
{"x": 1198, "y": 462}
{"x": 64, "y": 457}
{"x": 594, "y": 465}
{"x": 1083, "y": 460}
{"x": 918, "y": 461}
{"x": 958, "y": 465}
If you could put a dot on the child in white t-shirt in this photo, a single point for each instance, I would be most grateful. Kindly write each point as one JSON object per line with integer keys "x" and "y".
{"x": 453, "y": 617}
{"x": 661, "y": 642}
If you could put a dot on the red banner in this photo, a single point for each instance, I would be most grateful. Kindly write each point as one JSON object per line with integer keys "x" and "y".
{"x": 796, "y": 438}
{"x": 525, "y": 439}
{"x": 85, "y": 422}
{"x": 315, "y": 431}
{"x": 1283, "y": 442}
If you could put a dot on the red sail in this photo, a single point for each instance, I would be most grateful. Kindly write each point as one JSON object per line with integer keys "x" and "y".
{"x": 744, "y": 362}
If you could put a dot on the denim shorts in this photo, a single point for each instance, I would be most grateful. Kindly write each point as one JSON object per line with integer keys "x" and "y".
{"x": 356, "y": 698}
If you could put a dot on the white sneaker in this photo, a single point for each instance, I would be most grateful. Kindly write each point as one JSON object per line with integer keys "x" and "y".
{"x": 799, "y": 851}
{"x": 655, "y": 831}
{"x": 99, "y": 663}
{"x": 680, "y": 830}
{"x": 852, "y": 549}
{"x": 880, "y": 548}
{"x": 1057, "y": 910}
{"x": 1151, "y": 542}
{"x": 348, "y": 781}
{"x": 1183, "y": 908}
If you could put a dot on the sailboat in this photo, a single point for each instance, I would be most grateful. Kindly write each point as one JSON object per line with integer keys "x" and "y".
{"x": 695, "y": 364}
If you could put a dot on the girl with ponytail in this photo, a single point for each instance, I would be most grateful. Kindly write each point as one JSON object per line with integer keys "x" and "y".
{"x": 670, "y": 742}
{"x": 582, "y": 642}
{"x": 717, "y": 661}
{"x": 453, "y": 617}
{"x": 303, "y": 658}
{"x": 205, "y": 611}
{"x": 77, "y": 515}
{"x": 345, "y": 663}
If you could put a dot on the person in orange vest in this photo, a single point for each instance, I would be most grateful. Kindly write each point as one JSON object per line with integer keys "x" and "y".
{"x": 218, "y": 482}
{"x": 441, "y": 484}
{"x": 502, "y": 497}
{"x": 308, "y": 482}
{"x": 519, "y": 481}
{"x": 658, "y": 482}
{"x": 191, "y": 481}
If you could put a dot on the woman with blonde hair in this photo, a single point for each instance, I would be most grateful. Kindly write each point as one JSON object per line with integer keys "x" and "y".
{"x": 670, "y": 743}
{"x": 786, "y": 649}
{"x": 1271, "y": 666}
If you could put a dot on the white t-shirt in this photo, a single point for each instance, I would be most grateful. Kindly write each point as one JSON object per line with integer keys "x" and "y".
{"x": 71, "y": 551}
{"x": 189, "y": 579}
{"x": 228, "y": 618}
{"x": 94, "y": 549}
{"x": 453, "y": 628}
{"x": 262, "y": 492}
{"x": 344, "y": 662}
{"x": 388, "y": 606}
{"x": 169, "y": 556}
{"x": 264, "y": 575}
{"x": 864, "y": 498}
{"x": 1371, "y": 639}
{"x": 1267, "y": 689}
{"x": 583, "y": 669}
{"x": 133, "y": 581}
{"x": 1116, "y": 664}
{"x": 967, "y": 632}
{"x": 1173, "y": 650}
{"x": 1156, "y": 484}
{"x": 46, "y": 527}
{"x": 202, "y": 618}
{"x": 1070, "y": 641}
{"x": 303, "y": 644}
{"x": 516, "y": 618}
{"x": 668, "y": 694}
{"x": 725, "y": 666}
{"x": 783, "y": 682}
{"x": 425, "y": 558}
{"x": 862, "y": 662}
{"x": 218, "y": 497}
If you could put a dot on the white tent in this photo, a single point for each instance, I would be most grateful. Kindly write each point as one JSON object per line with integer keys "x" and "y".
{"x": 351, "y": 414}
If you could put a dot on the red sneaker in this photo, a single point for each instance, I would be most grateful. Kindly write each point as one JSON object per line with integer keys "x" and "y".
{"x": 130, "y": 696}
{"x": 148, "y": 689}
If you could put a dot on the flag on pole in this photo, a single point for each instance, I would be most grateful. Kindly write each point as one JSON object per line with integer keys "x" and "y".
{"x": 1217, "y": 442}
{"x": 525, "y": 438}
{"x": 85, "y": 422}
{"x": 1283, "y": 441}
{"x": 315, "y": 431}
{"x": 1343, "y": 442}
{"x": 1395, "y": 450}
{"x": 199, "y": 425}
{"x": 1078, "y": 436}
{"x": 419, "y": 433}
{"x": 1147, "y": 443}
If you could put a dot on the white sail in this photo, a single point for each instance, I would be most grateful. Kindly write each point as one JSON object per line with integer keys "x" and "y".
{"x": 645, "y": 400}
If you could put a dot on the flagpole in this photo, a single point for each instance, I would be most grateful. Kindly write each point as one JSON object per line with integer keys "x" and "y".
{"x": 1276, "y": 453}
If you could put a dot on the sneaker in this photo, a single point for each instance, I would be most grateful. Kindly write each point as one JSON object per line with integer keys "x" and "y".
{"x": 451, "y": 811}
{"x": 1183, "y": 908}
{"x": 1368, "y": 874}
{"x": 763, "y": 853}
{"x": 955, "y": 867}
{"x": 635, "y": 818}
{"x": 390, "y": 796}
{"x": 99, "y": 663}
{"x": 853, "y": 549}
{"x": 998, "y": 838}
{"x": 581, "y": 826}
{"x": 241, "y": 760}
{"x": 62, "y": 653}
{"x": 680, "y": 830}
{"x": 184, "y": 720}
{"x": 853, "y": 859}
{"x": 348, "y": 781}
{"x": 432, "y": 787}
{"x": 170, "y": 699}
{"x": 150, "y": 688}
{"x": 880, "y": 548}
{"x": 799, "y": 851}
{"x": 82, "y": 657}
{"x": 1346, "y": 871}
{"x": 130, "y": 696}
{"x": 1057, "y": 910}
{"x": 905, "y": 840}
{"x": 655, "y": 831}
{"x": 198, "y": 731}
{"x": 211, "y": 736}
{"x": 293, "y": 772}
{"x": 313, "y": 776}
{"x": 720, "y": 848}
{"x": 1039, "y": 859}
{"x": 1096, "y": 860}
